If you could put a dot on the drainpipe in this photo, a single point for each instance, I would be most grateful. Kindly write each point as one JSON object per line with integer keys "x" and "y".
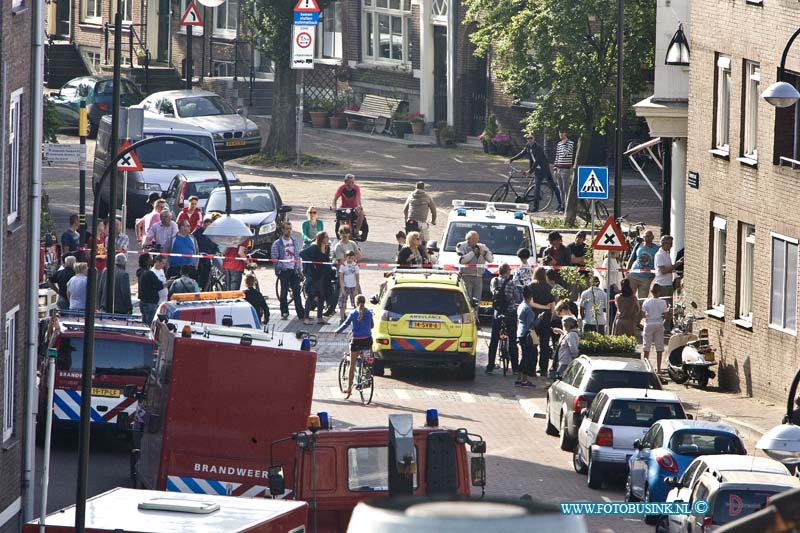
{"x": 452, "y": 40}
{"x": 34, "y": 227}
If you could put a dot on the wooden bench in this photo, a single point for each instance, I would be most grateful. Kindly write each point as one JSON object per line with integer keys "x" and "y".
{"x": 378, "y": 111}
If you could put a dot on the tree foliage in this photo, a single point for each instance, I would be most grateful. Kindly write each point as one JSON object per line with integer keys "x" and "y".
{"x": 52, "y": 122}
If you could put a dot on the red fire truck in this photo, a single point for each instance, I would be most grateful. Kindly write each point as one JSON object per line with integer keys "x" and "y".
{"x": 123, "y": 356}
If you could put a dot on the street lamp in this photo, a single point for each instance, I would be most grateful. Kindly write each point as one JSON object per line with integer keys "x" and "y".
{"x": 211, "y": 3}
{"x": 782, "y": 442}
{"x": 225, "y": 231}
{"x": 782, "y": 94}
{"x": 678, "y": 49}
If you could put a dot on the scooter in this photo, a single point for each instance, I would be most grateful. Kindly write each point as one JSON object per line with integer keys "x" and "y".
{"x": 690, "y": 356}
{"x": 347, "y": 216}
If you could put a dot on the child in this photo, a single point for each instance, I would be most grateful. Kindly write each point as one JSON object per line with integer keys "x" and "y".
{"x": 256, "y": 299}
{"x": 349, "y": 282}
{"x": 568, "y": 345}
{"x": 524, "y": 273}
{"x": 401, "y": 240}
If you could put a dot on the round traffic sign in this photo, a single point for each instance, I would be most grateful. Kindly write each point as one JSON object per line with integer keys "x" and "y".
{"x": 303, "y": 39}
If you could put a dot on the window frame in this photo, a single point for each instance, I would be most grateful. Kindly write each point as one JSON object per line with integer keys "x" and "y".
{"x": 722, "y": 80}
{"x": 9, "y": 373}
{"x": 336, "y": 35}
{"x": 97, "y": 13}
{"x": 226, "y": 31}
{"x": 15, "y": 137}
{"x": 788, "y": 243}
{"x": 127, "y": 9}
{"x": 751, "y": 80}
{"x": 719, "y": 248}
{"x": 747, "y": 245}
{"x": 370, "y": 10}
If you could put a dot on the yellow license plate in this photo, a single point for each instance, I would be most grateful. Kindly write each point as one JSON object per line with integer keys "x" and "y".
{"x": 486, "y": 304}
{"x": 424, "y": 325}
{"x": 235, "y": 143}
{"x": 709, "y": 356}
{"x": 108, "y": 393}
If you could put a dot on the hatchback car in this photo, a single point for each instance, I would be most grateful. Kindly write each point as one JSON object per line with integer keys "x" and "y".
{"x": 198, "y": 184}
{"x": 256, "y": 204}
{"x": 733, "y": 485}
{"x": 582, "y": 380}
{"x": 98, "y": 93}
{"x": 234, "y": 135}
{"x": 611, "y": 424}
{"x": 423, "y": 318}
{"x": 668, "y": 448}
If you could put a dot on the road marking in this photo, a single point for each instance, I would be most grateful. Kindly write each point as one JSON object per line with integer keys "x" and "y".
{"x": 401, "y": 394}
{"x": 457, "y": 160}
{"x": 466, "y": 397}
{"x": 606, "y": 499}
{"x": 530, "y": 407}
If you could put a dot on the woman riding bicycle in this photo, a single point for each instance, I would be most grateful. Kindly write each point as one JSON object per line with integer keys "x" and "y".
{"x": 361, "y": 319}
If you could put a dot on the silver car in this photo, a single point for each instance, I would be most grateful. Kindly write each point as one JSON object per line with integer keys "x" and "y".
{"x": 234, "y": 135}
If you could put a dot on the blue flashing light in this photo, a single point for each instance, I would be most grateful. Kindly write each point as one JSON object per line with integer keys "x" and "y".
{"x": 432, "y": 418}
{"x": 519, "y": 215}
{"x": 324, "y": 420}
{"x": 461, "y": 212}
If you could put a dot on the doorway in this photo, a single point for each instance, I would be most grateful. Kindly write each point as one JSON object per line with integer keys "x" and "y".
{"x": 439, "y": 73}
{"x": 62, "y": 19}
{"x": 162, "y": 48}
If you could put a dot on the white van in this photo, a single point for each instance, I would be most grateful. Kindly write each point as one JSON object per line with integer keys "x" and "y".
{"x": 162, "y": 161}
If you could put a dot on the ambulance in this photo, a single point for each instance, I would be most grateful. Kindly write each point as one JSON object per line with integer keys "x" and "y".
{"x": 227, "y": 308}
{"x": 123, "y": 356}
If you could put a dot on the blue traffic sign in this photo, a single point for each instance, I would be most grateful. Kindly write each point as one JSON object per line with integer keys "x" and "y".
{"x": 306, "y": 18}
{"x": 593, "y": 183}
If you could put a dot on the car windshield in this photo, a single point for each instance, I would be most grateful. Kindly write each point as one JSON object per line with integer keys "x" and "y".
{"x": 615, "y": 379}
{"x": 641, "y": 413}
{"x": 170, "y": 154}
{"x": 695, "y": 443}
{"x": 242, "y": 201}
{"x": 731, "y": 505}
{"x": 202, "y": 189}
{"x": 500, "y": 238}
{"x": 202, "y": 106}
{"x": 106, "y": 88}
{"x": 128, "y": 358}
{"x": 450, "y": 303}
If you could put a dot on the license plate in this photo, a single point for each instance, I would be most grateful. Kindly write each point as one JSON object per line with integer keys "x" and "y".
{"x": 486, "y": 304}
{"x": 424, "y": 325}
{"x": 108, "y": 393}
{"x": 235, "y": 143}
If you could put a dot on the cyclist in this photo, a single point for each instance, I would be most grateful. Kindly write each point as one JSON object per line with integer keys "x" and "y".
{"x": 506, "y": 297}
{"x": 539, "y": 168}
{"x": 350, "y": 193}
{"x": 361, "y": 319}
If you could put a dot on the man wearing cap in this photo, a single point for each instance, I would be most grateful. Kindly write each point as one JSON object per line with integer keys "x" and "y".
{"x": 577, "y": 250}
{"x": 418, "y": 205}
{"x": 556, "y": 254}
{"x": 122, "y": 287}
{"x": 539, "y": 167}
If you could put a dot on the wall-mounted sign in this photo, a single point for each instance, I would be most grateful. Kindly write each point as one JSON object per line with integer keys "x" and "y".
{"x": 694, "y": 179}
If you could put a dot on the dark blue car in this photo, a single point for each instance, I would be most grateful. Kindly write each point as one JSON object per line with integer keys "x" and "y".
{"x": 98, "y": 92}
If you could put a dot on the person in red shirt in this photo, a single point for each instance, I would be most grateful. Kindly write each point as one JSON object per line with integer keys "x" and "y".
{"x": 350, "y": 195}
{"x": 191, "y": 213}
{"x": 233, "y": 263}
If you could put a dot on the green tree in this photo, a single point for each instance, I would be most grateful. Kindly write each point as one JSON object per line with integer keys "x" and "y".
{"x": 563, "y": 55}
{"x": 269, "y": 29}
{"x": 52, "y": 122}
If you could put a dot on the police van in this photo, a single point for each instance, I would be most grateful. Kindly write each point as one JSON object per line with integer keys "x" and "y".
{"x": 503, "y": 227}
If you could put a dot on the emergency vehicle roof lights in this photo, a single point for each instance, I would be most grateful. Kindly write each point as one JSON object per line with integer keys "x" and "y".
{"x": 324, "y": 420}
{"x": 491, "y": 211}
{"x": 432, "y": 418}
{"x": 313, "y": 423}
{"x": 246, "y": 340}
{"x": 186, "y": 331}
{"x": 519, "y": 215}
{"x": 461, "y": 212}
{"x": 214, "y": 295}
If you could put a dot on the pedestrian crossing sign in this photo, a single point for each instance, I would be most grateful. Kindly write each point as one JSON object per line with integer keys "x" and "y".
{"x": 593, "y": 183}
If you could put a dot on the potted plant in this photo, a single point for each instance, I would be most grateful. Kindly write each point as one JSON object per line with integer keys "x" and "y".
{"x": 489, "y": 131}
{"x": 592, "y": 343}
{"x": 318, "y": 109}
{"x": 445, "y": 136}
{"x": 502, "y": 143}
{"x": 417, "y": 123}
{"x": 141, "y": 56}
{"x": 400, "y": 124}
{"x": 337, "y": 118}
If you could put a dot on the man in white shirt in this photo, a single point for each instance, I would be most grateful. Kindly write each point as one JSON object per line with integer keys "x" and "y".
{"x": 664, "y": 266}
{"x": 655, "y": 311}
{"x": 593, "y": 307}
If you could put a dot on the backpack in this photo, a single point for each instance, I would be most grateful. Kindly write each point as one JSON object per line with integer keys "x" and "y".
{"x": 500, "y": 299}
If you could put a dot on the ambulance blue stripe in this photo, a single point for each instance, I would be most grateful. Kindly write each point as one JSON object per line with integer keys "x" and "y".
{"x": 193, "y": 486}
{"x": 71, "y": 415}
{"x": 416, "y": 345}
{"x": 217, "y": 486}
{"x": 95, "y": 416}
{"x": 171, "y": 486}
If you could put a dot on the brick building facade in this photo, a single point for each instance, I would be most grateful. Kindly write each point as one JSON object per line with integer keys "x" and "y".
{"x": 742, "y": 256}
{"x": 15, "y": 127}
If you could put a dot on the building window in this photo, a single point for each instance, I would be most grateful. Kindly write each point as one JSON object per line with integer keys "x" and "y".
{"x": 127, "y": 10}
{"x": 783, "y": 284}
{"x": 14, "y": 141}
{"x": 92, "y": 10}
{"x": 747, "y": 246}
{"x": 722, "y": 104}
{"x": 719, "y": 229}
{"x": 752, "y": 73}
{"x": 329, "y": 32}
{"x": 222, "y": 69}
{"x": 386, "y": 25}
{"x": 783, "y": 137}
{"x": 226, "y": 18}
{"x": 94, "y": 59}
{"x": 8, "y": 373}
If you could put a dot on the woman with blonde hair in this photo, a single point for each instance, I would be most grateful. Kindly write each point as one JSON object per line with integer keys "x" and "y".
{"x": 412, "y": 255}
{"x": 361, "y": 320}
{"x": 311, "y": 226}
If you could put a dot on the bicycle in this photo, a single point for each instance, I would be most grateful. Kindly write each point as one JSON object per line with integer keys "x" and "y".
{"x": 632, "y": 237}
{"x": 585, "y": 211}
{"x": 503, "y": 344}
{"x": 362, "y": 380}
{"x": 546, "y": 192}
{"x": 216, "y": 279}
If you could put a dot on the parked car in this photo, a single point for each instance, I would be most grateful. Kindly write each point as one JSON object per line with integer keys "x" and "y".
{"x": 256, "y": 204}
{"x": 582, "y": 380}
{"x": 234, "y": 135}
{"x": 160, "y": 162}
{"x": 198, "y": 184}
{"x": 614, "y": 420}
{"x": 668, "y": 448}
{"x": 733, "y": 485}
{"x": 98, "y": 92}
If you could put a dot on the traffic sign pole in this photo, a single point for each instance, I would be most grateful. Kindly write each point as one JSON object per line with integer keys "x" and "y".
{"x": 300, "y": 121}
{"x": 305, "y": 17}
{"x": 189, "y": 58}
{"x": 82, "y": 127}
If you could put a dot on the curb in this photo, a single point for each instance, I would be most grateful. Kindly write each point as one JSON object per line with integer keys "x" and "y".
{"x": 746, "y": 429}
{"x": 533, "y": 410}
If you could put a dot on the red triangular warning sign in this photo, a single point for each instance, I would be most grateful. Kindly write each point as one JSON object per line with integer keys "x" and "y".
{"x": 129, "y": 162}
{"x": 191, "y": 17}
{"x": 306, "y": 6}
{"x": 609, "y": 237}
